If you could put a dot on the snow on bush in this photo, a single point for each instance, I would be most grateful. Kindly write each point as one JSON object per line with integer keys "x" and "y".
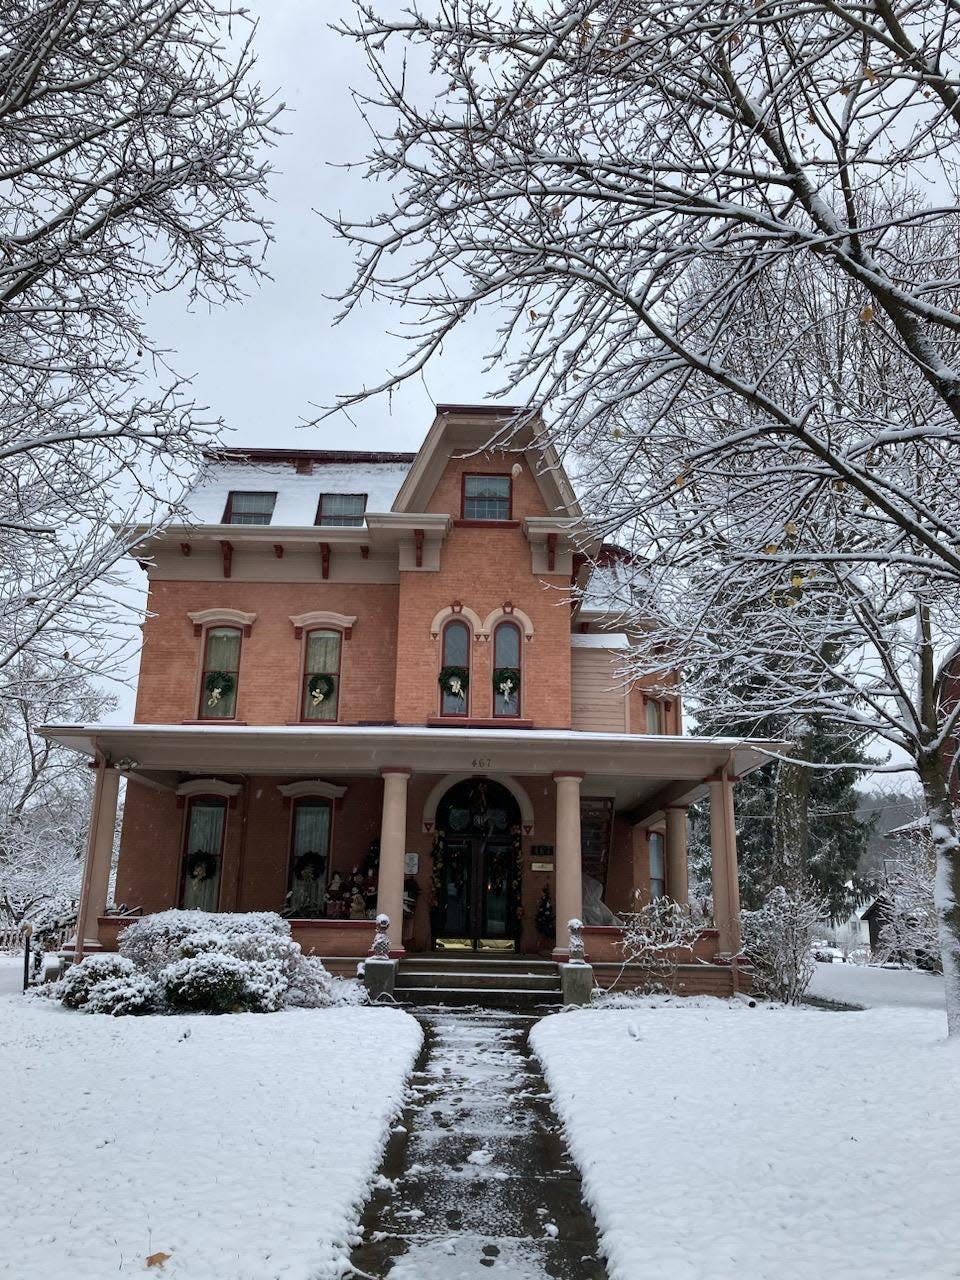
{"x": 202, "y": 962}
{"x": 78, "y": 983}
{"x": 778, "y": 938}
{"x": 123, "y": 996}
{"x": 909, "y": 930}
{"x": 660, "y": 936}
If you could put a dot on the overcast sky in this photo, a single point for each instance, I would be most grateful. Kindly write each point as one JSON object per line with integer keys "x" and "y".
{"x": 262, "y": 362}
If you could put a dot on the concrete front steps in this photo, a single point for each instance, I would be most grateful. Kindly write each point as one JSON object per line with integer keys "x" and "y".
{"x": 514, "y": 983}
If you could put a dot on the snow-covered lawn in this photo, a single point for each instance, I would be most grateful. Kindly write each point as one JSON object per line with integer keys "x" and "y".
{"x": 873, "y": 987}
{"x": 763, "y": 1144}
{"x": 241, "y": 1146}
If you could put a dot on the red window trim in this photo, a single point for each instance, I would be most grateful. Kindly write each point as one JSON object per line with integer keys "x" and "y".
{"x": 218, "y": 626}
{"x": 456, "y": 621}
{"x": 185, "y": 834}
{"x": 308, "y": 632}
{"x": 318, "y": 516}
{"x": 315, "y": 800}
{"x": 503, "y": 715}
{"x": 503, "y": 475}
{"x": 228, "y": 509}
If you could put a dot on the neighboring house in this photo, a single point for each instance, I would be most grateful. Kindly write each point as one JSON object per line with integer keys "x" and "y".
{"x": 366, "y": 682}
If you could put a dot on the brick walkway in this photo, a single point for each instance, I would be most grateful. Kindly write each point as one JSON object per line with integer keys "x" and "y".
{"x": 476, "y": 1182}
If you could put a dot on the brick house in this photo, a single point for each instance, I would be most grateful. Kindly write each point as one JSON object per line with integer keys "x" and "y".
{"x": 365, "y": 685}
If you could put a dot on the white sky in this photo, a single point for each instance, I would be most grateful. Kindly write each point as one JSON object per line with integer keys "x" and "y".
{"x": 261, "y": 363}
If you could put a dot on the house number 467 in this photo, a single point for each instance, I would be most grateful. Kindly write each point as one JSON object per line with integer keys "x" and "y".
{"x": 481, "y": 762}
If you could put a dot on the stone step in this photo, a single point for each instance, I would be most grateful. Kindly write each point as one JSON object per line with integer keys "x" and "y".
{"x": 476, "y": 978}
{"x": 486, "y": 997}
{"x": 477, "y": 962}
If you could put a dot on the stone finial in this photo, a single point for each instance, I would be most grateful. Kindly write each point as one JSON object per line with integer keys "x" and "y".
{"x": 577, "y": 955}
{"x": 381, "y": 939}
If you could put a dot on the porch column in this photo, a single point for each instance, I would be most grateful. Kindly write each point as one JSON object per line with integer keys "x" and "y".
{"x": 393, "y": 843}
{"x": 723, "y": 863}
{"x": 567, "y": 857}
{"x": 96, "y": 866}
{"x": 676, "y": 841}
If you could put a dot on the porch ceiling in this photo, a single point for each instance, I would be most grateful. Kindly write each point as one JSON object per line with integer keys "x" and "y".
{"x": 636, "y": 770}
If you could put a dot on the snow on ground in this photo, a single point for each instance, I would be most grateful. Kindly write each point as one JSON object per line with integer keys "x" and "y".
{"x": 241, "y": 1146}
{"x": 873, "y": 987}
{"x": 763, "y": 1144}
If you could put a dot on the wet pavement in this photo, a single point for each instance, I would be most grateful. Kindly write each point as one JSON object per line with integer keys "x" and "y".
{"x": 476, "y": 1181}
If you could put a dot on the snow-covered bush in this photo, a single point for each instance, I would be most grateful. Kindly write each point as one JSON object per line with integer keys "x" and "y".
{"x": 313, "y": 987}
{"x": 123, "y": 996}
{"x": 155, "y": 941}
{"x": 660, "y": 936}
{"x": 777, "y": 940}
{"x": 76, "y": 986}
{"x": 207, "y": 983}
{"x": 909, "y": 930}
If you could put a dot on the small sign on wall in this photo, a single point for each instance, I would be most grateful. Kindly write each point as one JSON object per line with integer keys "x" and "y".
{"x": 411, "y": 864}
{"x": 541, "y": 851}
{"x": 541, "y": 866}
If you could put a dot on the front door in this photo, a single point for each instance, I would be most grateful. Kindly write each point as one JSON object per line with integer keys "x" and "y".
{"x": 477, "y": 873}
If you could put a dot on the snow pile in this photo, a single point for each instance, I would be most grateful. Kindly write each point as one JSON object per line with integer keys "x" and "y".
{"x": 199, "y": 962}
{"x": 763, "y": 1144}
{"x": 241, "y": 1147}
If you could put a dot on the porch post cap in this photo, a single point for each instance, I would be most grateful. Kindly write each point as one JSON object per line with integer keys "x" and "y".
{"x": 394, "y": 768}
{"x": 568, "y": 773}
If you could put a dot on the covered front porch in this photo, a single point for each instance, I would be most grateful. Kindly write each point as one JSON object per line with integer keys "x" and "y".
{"x": 470, "y": 840}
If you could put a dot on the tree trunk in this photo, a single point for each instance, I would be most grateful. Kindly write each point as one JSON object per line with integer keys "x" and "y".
{"x": 946, "y": 894}
{"x": 791, "y": 832}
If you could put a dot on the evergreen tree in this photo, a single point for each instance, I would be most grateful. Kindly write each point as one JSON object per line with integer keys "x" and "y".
{"x": 813, "y": 834}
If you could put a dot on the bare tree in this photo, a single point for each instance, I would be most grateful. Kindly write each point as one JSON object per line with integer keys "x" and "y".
{"x": 129, "y": 166}
{"x": 909, "y": 926}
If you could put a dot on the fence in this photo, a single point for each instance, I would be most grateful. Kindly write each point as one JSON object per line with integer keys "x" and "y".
{"x": 48, "y": 937}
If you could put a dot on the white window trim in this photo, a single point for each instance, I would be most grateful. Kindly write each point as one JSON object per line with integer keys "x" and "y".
{"x": 209, "y": 787}
{"x": 462, "y": 612}
{"x": 507, "y": 615}
{"x": 314, "y": 787}
{"x": 322, "y": 618}
{"x": 222, "y": 618}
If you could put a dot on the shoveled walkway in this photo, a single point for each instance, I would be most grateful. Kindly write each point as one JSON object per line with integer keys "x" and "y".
{"x": 476, "y": 1182}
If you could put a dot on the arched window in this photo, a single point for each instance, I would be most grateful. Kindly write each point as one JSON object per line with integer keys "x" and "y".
{"x": 203, "y": 853}
{"x": 309, "y": 857}
{"x": 654, "y": 716}
{"x": 506, "y": 669}
{"x": 455, "y": 669}
{"x": 221, "y": 673}
{"x": 321, "y": 676}
{"x": 658, "y": 871}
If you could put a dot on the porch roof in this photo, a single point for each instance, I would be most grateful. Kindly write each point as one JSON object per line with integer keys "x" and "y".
{"x": 642, "y": 772}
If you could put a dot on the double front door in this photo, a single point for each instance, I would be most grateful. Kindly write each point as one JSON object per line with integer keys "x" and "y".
{"x": 477, "y": 910}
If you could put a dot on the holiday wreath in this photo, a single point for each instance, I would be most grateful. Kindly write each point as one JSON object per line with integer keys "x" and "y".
{"x": 506, "y": 682}
{"x": 454, "y": 682}
{"x": 201, "y": 866}
{"x": 218, "y": 684}
{"x": 320, "y": 688}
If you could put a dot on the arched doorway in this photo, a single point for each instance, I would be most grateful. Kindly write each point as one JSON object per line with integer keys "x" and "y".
{"x": 477, "y": 868}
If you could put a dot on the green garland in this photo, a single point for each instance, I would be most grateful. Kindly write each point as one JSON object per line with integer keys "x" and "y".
{"x": 219, "y": 684}
{"x": 321, "y": 688}
{"x": 506, "y": 682}
{"x": 454, "y": 682}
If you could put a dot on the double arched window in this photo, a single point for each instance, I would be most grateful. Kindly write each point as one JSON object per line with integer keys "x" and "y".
{"x": 507, "y": 672}
{"x": 455, "y": 669}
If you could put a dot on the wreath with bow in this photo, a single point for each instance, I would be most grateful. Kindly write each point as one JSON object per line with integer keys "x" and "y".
{"x": 454, "y": 682}
{"x": 320, "y": 688}
{"x": 506, "y": 682}
{"x": 201, "y": 866}
{"x": 219, "y": 684}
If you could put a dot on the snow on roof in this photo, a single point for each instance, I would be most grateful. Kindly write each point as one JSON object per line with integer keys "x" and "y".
{"x": 599, "y": 640}
{"x": 297, "y": 495}
{"x": 610, "y": 587}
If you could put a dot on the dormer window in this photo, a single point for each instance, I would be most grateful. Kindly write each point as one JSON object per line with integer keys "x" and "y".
{"x": 486, "y": 497}
{"x": 246, "y": 506}
{"x": 344, "y": 509}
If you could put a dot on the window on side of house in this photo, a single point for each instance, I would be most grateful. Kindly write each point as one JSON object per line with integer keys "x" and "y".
{"x": 506, "y": 669}
{"x": 486, "y": 497}
{"x": 455, "y": 669}
{"x": 658, "y": 870}
{"x": 221, "y": 674}
{"x": 309, "y": 857}
{"x": 203, "y": 853}
{"x": 345, "y": 509}
{"x": 654, "y": 716}
{"x": 249, "y": 507}
{"x": 321, "y": 676}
